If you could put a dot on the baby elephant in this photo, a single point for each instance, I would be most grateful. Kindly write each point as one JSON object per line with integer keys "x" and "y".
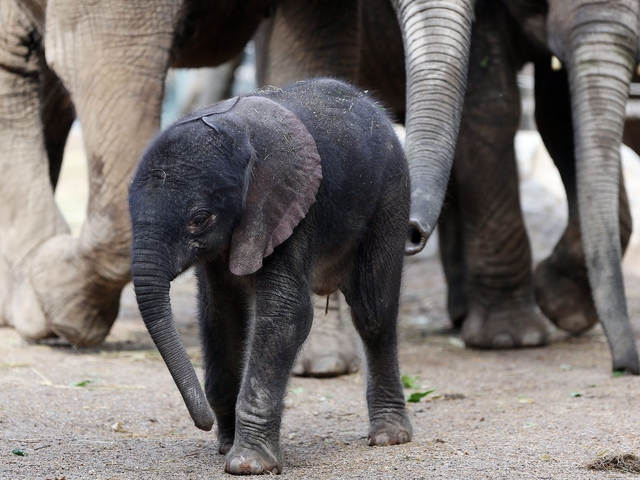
{"x": 273, "y": 195}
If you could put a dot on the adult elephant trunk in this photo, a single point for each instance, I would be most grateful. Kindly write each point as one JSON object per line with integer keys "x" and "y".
{"x": 436, "y": 37}
{"x": 152, "y": 284}
{"x": 600, "y": 42}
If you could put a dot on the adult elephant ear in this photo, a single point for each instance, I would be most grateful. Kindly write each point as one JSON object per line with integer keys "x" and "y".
{"x": 283, "y": 178}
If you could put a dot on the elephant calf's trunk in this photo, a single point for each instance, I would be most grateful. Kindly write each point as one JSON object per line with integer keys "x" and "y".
{"x": 152, "y": 294}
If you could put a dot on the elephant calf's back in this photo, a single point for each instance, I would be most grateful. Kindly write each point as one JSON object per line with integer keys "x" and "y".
{"x": 365, "y": 182}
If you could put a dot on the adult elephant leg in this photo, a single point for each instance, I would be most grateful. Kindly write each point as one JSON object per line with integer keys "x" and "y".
{"x": 115, "y": 78}
{"x": 329, "y": 350}
{"x": 451, "y": 241}
{"x": 382, "y": 66}
{"x": 502, "y": 311}
{"x": 597, "y": 43}
{"x": 57, "y": 114}
{"x": 326, "y": 39}
{"x": 562, "y": 284}
{"x": 29, "y": 215}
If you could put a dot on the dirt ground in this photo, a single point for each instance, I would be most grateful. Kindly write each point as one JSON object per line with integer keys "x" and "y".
{"x": 114, "y": 412}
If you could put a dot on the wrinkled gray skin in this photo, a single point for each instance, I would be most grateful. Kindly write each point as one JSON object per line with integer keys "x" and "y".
{"x": 112, "y": 58}
{"x": 492, "y": 292}
{"x": 580, "y": 113}
{"x": 273, "y": 195}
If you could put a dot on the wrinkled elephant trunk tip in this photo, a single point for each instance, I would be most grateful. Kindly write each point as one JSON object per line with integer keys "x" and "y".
{"x": 205, "y": 424}
{"x": 416, "y": 238}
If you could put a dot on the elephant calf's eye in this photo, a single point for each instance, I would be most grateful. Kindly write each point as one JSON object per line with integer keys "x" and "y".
{"x": 200, "y": 221}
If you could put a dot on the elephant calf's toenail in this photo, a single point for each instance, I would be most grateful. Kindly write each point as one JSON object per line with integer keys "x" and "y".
{"x": 380, "y": 440}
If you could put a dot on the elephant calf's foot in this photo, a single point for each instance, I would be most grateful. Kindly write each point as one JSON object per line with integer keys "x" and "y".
{"x": 249, "y": 461}
{"x": 390, "y": 432}
{"x": 80, "y": 305}
{"x": 329, "y": 350}
{"x": 519, "y": 326}
{"x": 565, "y": 299}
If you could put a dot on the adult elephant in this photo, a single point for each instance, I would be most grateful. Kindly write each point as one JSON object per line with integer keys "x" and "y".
{"x": 112, "y": 58}
{"x": 580, "y": 112}
{"x": 485, "y": 249}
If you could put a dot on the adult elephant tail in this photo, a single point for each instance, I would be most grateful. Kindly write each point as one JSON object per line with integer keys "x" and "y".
{"x": 597, "y": 42}
{"x": 436, "y": 36}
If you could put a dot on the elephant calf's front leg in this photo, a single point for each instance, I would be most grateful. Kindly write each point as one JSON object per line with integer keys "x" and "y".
{"x": 223, "y": 318}
{"x": 283, "y": 319}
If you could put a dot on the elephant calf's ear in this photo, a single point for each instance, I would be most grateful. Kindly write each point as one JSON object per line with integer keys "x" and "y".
{"x": 283, "y": 182}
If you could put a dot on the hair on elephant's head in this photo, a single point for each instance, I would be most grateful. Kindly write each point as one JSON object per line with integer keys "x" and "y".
{"x": 231, "y": 181}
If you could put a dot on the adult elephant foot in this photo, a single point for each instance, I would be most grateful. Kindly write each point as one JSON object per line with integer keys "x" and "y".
{"x": 561, "y": 281}
{"x": 27, "y": 317}
{"x": 79, "y": 303}
{"x": 564, "y": 295}
{"x": 510, "y": 326}
{"x": 329, "y": 350}
{"x": 20, "y": 303}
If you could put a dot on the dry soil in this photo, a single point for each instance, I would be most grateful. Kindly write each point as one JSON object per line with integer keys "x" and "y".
{"x": 114, "y": 412}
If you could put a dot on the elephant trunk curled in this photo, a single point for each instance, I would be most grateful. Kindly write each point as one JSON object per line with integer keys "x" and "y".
{"x": 152, "y": 283}
{"x": 600, "y": 57}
